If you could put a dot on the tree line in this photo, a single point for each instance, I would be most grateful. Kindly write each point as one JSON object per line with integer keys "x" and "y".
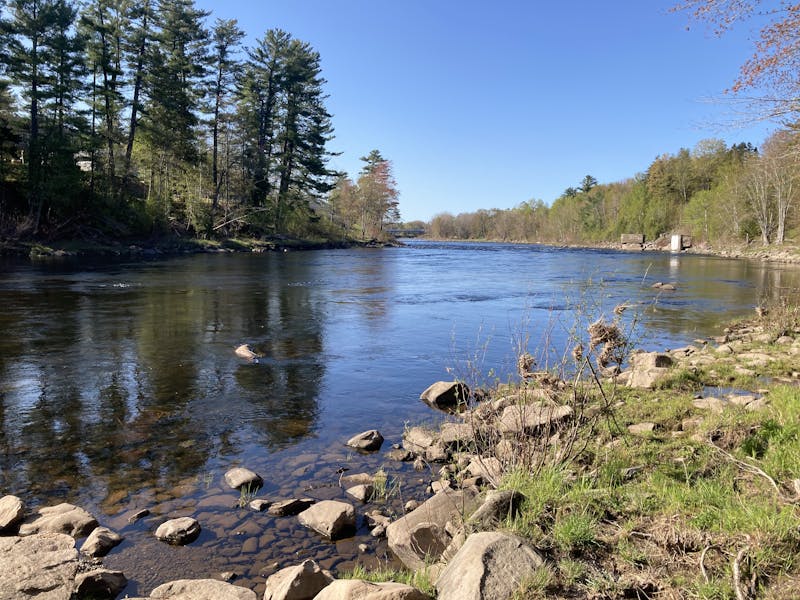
{"x": 713, "y": 192}
{"x": 129, "y": 118}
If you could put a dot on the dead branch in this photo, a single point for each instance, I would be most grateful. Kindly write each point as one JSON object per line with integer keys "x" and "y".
{"x": 737, "y": 575}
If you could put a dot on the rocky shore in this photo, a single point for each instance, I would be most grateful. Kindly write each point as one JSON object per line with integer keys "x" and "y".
{"x": 464, "y": 541}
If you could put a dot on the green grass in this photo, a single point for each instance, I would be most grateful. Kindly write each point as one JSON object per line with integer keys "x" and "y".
{"x": 419, "y": 579}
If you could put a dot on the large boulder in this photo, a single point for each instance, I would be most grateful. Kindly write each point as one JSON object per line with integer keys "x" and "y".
{"x": 100, "y": 583}
{"x": 356, "y": 589}
{"x": 331, "y": 518}
{"x": 527, "y": 418}
{"x": 12, "y": 510}
{"x": 368, "y": 440}
{"x": 239, "y": 477}
{"x": 62, "y": 518}
{"x": 421, "y": 536}
{"x": 450, "y": 396}
{"x": 301, "y": 582}
{"x": 101, "y": 541}
{"x": 419, "y": 439}
{"x": 40, "y": 565}
{"x": 488, "y": 565}
{"x": 183, "y": 530}
{"x": 648, "y": 369}
{"x": 497, "y": 506}
{"x": 202, "y": 589}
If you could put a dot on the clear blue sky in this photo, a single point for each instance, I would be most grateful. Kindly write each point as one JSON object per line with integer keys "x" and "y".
{"x": 488, "y": 104}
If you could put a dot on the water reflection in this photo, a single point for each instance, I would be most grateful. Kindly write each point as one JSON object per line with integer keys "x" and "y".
{"x": 119, "y": 388}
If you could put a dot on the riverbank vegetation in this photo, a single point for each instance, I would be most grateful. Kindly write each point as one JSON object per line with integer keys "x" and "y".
{"x": 139, "y": 119}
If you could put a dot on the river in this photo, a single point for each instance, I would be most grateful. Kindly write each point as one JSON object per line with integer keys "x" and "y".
{"x": 120, "y": 390}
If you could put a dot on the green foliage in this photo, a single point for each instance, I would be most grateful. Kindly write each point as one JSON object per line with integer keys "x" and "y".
{"x": 419, "y": 579}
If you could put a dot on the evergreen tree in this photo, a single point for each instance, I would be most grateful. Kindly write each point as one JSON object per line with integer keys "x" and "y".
{"x": 226, "y": 37}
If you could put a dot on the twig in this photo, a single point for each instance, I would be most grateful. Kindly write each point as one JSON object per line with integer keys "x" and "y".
{"x": 745, "y": 466}
{"x": 737, "y": 583}
{"x": 703, "y": 560}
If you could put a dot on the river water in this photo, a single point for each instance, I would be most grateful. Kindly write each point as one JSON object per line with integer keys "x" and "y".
{"x": 120, "y": 390}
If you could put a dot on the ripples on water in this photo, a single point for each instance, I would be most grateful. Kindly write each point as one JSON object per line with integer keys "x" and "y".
{"x": 119, "y": 389}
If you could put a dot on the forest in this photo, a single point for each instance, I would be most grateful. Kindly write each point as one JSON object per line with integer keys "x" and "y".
{"x": 712, "y": 192}
{"x": 132, "y": 119}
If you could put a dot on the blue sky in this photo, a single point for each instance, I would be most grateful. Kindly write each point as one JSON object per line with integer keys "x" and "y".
{"x": 488, "y": 104}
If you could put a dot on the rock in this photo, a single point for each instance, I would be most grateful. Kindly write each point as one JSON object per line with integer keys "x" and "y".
{"x": 139, "y": 514}
{"x": 641, "y": 428}
{"x": 41, "y": 565}
{"x": 457, "y": 434}
{"x": 399, "y": 454}
{"x": 368, "y": 440}
{"x": 101, "y": 541}
{"x": 202, "y": 589}
{"x": 437, "y": 453}
{"x": 527, "y": 418}
{"x": 356, "y": 589}
{"x": 487, "y": 467}
{"x": 362, "y": 548}
{"x": 362, "y": 493}
{"x": 245, "y": 352}
{"x": 488, "y": 565}
{"x": 411, "y": 505}
{"x": 331, "y": 518}
{"x": 259, "y": 504}
{"x": 12, "y": 510}
{"x": 420, "y": 535}
{"x": 239, "y": 477}
{"x": 497, "y": 506}
{"x": 724, "y": 349}
{"x": 715, "y": 405}
{"x": 449, "y": 396}
{"x": 100, "y": 583}
{"x": 183, "y": 530}
{"x": 418, "y": 439}
{"x": 62, "y": 518}
{"x": 438, "y": 486}
{"x": 286, "y": 508}
{"x": 347, "y": 481}
{"x": 301, "y": 582}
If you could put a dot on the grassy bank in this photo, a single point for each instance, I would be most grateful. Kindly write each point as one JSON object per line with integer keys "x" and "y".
{"x": 689, "y": 488}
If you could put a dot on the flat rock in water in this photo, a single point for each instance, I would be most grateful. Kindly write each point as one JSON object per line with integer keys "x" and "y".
{"x": 41, "y": 566}
{"x": 259, "y": 504}
{"x": 100, "y": 583}
{"x": 356, "y": 589}
{"x": 331, "y": 518}
{"x": 287, "y": 508}
{"x": 183, "y": 530}
{"x": 202, "y": 589}
{"x": 488, "y": 565}
{"x": 101, "y": 541}
{"x": 368, "y": 440}
{"x": 245, "y": 352}
{"x": 12, "y": 511}
{"x": 449, "y": 396}
{"x": 62, "y": 518}
{"x": 294, "y": 583}
{"x": 239, "y": 477}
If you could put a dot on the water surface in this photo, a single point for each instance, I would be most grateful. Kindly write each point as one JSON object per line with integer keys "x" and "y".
{"x": 119, "y": 388}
